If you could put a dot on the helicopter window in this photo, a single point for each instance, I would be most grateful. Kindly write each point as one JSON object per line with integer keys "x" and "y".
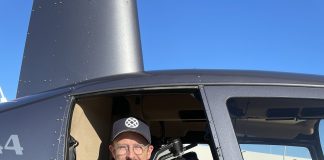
{"x": 173, "y": 115}
{"x": 286, "y": 124}
{"x": 273, "y": 152}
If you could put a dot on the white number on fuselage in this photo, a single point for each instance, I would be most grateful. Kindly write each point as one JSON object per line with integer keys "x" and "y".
{"x": 12, "y": 144}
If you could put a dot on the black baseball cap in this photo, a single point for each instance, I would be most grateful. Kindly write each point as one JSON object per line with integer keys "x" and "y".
{"x": 131, "y": 124}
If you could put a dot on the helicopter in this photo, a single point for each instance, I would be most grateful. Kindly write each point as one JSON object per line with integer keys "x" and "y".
{"x": 81, "y": 73}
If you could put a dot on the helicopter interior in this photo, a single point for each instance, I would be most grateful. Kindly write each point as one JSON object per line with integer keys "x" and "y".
{"x": 171, "y": 115}
{"x": 254, "y": 117}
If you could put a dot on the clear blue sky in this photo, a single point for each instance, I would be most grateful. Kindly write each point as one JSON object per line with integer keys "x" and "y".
{"x": 275, "y": 35}
{"x": 271, "y": 35}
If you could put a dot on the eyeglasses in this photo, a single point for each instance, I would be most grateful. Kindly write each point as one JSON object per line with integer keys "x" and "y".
{"x": 121, "y": 149}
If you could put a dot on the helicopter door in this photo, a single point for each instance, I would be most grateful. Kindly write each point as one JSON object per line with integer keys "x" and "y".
{"x": 265, "y": 115}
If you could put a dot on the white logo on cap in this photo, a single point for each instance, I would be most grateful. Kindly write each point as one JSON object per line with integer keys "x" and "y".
{"x": 131, "y": 122}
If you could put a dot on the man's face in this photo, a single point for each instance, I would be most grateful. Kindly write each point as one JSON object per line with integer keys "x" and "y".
{"x": 130, "y": 146}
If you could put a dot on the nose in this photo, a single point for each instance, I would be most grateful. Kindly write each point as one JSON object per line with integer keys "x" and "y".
{"x": 131, "y": 154}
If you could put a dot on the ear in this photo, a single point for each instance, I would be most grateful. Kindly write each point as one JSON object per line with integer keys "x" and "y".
{"x": 149, "y": 151}
{"x": 112, "y": 151}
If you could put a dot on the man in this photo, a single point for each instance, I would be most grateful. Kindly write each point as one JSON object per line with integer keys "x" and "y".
{"x": 131, "y": 140}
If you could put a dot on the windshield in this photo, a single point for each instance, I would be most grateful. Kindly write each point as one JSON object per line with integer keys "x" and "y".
{"x": 277, "y": 128}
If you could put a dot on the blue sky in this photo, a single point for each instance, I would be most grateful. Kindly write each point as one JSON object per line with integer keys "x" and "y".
{"x": 275, "y": 35}
{"x": 271, "y": 35}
